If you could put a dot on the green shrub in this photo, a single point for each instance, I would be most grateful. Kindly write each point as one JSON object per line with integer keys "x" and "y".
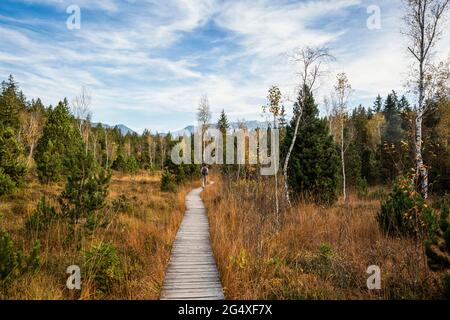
{"x": 42, "y": 217}
{"x": 7, "y": 185}
{"x": 13, "y": 262}
{"x": 181, "y": 176}
{"x": 168, "y": 182}
{"x": 126, "y": 164}
{"x": 183, "y": 172}
{"x": 132, "y": 165}
{"x": 103, "y": 266}
{"x": 122, "y": 204}
{"x": 86, "y": 188}
{"x": 328, "y": 264}
{"x": 58, "y": 144}
{"x": 49, "y": 165}
{"x": 325, "y": 250}
{"x": 362, "y": 188}
{"x": 12, "y": 168}
{"x": 405, "y": 212}
{"x": 437, "y": 248}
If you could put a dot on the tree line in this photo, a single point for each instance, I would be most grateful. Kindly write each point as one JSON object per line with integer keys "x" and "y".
{"x": 38, "y": 140}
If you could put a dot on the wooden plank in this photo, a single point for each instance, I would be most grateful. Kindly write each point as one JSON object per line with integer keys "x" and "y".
{"x": 194, "y": 298}
{"x": 194, "y": 295}
{"x": 196, "y": 284}
{"x": 192, "y": 271}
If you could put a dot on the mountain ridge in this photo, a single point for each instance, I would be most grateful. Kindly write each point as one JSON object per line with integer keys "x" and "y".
{"x": 123, "y": 128}
{"x": 251, "y": 125}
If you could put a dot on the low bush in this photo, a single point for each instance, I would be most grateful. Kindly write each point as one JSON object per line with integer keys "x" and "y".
{"x": 405, "y": 212}
{"x": 183, "y": 172}
{"x": 14, "y": 263}
{"x": 7, "y": 185}
{"x": 122, "y": 204}
{"x": 42, "y": 217}
{"x": 103, "y": 266}
{"x": 362, "y": 188}
{"x": 168, "y": 183}
{"x": 86, "y": 189}
{"x": 12, "y": 167}
{"x": 125, "y": 164}
{"x": 437, "y": 249}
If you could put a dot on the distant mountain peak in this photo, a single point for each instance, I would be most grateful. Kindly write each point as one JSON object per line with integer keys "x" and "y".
{"x": 251, "y": 125}
{"x": 124, "y": 130}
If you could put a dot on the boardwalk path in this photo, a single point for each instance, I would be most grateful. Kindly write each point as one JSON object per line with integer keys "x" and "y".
{"x": 192, "y": 272}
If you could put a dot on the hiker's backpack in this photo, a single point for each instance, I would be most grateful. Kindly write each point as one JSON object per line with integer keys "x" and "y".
{"x": 204, "y": 171}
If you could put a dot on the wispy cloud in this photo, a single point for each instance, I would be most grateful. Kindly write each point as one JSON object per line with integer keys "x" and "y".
{"x": 147, "y": 62}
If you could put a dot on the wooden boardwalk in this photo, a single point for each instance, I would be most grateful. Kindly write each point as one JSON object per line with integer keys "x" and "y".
{"x": 192, "y": 273}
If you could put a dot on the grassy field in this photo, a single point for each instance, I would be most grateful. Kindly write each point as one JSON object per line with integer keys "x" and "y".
{"x": 309, "y": 252}
{"x": 313, "y": 252}
{"x": 141, "y": 224}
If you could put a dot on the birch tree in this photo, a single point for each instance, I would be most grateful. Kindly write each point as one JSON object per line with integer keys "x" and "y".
{"x": 423, "y": 20}
{"x": 204, "y": 118}
{"x": 241, "y": 126}
{"x": 150, "y": 146}
{"x": 310, "y": 61}
{"x": 82, "y": 113}
{"x": 31, "y": 127}
{"x": 274, "y": 107}
{"x": 338, "y": 121}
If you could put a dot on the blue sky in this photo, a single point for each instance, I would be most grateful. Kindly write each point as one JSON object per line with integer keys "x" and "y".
{"x": 146, "y": 63}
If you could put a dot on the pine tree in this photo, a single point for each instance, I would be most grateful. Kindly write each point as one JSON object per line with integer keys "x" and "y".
{"x": 359, "y": 122}
{"x": 57, "y": 145}
{"x": 404, "y": 104}
{"x": 50, "y": 164}
{"x": 282, "y": 121}
{"x": 314, "y": 165}
{"x": 393, "y": 159}
{"x": 125, "y": 164}
{"x": 86, "y": 188}
{"x": 14, "y": 262}
{"x": 12, "y": 167}
{"x": 390, "y": 108}
{"x": 168, "y": 182}
{"x": 144, "y": 149}
{"x": 377, "y": 105}
{"x": 223, "y": 125}
{"x": 11, "y": 104}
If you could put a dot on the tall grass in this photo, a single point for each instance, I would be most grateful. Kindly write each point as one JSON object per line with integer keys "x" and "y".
{"x": 315, "y": 253}
{"x": 141, "y": 224}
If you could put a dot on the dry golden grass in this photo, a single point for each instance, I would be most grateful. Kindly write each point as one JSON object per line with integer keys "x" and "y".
{"x": 314, "y": 253}
{"x": 142, "y": 236}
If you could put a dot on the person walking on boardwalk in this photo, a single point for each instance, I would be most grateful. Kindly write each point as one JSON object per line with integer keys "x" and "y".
{"x": 204, "y": 172}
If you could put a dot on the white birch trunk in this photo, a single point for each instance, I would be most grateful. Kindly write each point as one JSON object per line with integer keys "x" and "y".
{"x": 288, "y": 156}
{"x": 343, "y": 160}
{"x": 277, "y": 207}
